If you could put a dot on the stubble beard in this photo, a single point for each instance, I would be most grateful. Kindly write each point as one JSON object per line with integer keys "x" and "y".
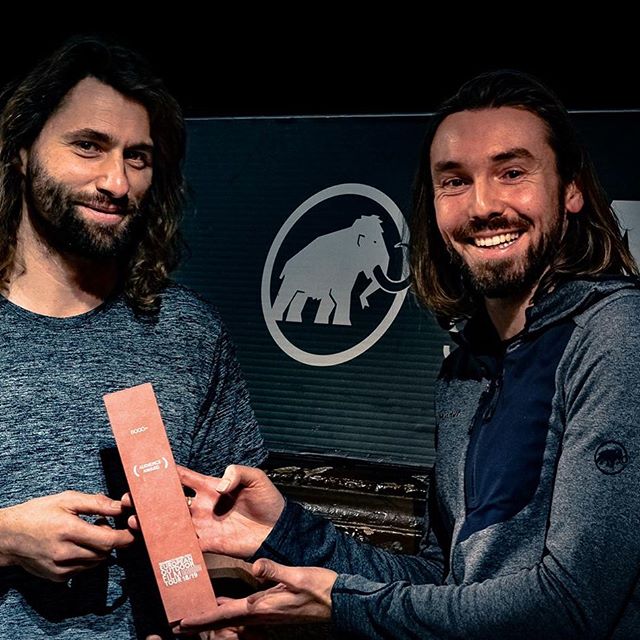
{"x": 52, "y": 207}
{"x": 511, "y": 277}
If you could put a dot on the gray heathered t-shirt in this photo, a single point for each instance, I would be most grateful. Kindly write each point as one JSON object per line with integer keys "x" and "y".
{"x": 55, "y": 435}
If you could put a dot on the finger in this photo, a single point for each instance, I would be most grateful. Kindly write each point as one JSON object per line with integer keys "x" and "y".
{"x": 99, "y": 538}
{"x": 127, "y": 501}
{"x": 73, "y": 565}
{"x": 120, "y": 538}
{"x": 193, "y": 479}
{"x": 77, "y": 556}
{"x": 236, "y": 475}
{"x": 268, "y": 570}
{"x": 231, "y": 479}
{"x": 229, "y": 633}
{"x": 133, "y": 523}
{"x": 227, "y": 614}
{"x": 90, "y": 504}
{"x": 204, "y": 635}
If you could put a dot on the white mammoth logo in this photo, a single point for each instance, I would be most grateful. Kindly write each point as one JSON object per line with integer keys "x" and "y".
{"x": 327, "y": 269}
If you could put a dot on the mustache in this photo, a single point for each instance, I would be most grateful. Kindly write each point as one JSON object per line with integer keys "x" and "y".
{"x": 122, "y": 206}
{"x": 491, "y": 224}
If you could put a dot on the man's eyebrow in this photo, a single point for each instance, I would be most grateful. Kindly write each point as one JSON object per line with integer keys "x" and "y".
{"x": 504, "y": 156}
{"x": 446, "y": 165}
{"x": 104, "y": 138}
{"x": 513, "y": 154}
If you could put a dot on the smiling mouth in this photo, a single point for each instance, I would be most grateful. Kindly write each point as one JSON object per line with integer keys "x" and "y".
{"x": 500, "y": 240}
{"x": 111, "y": 210}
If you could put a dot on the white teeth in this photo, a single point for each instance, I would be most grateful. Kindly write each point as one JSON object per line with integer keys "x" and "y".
{"x": 502, "y": 239}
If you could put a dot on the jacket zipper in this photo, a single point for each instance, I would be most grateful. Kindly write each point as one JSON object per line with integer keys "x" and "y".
{"x": 486, "y": 409}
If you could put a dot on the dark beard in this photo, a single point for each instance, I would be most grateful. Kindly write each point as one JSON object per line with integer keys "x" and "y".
{"x": 508, "y": 278}
{"x": 54, "y": 214}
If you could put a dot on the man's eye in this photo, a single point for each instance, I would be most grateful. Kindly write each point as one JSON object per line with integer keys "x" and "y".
{"x": 85, "y": 145}
{"x": 453, "y": 183}
{"x": 138, "y": 159}
{"x": 512, "y": 174}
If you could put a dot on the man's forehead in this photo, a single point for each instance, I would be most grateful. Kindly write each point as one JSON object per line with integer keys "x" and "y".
{"x": 493, "y": 134}
{"x": 94, "y": 105}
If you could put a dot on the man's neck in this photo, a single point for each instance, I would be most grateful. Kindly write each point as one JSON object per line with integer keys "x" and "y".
{"x": 50, "y": 283}
{"x": 508, "y": 315}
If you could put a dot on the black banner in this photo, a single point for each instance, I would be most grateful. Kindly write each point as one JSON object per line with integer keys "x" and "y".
{"x": 297, "y": 234}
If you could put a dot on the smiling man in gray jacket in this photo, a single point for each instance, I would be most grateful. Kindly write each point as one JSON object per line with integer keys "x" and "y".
{"x": 534, "y": 514}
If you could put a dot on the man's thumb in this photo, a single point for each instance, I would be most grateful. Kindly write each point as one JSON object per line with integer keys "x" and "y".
{"x": 264, "y": 570}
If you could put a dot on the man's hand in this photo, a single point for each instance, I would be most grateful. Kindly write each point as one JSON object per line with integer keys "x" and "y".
{"x": 48, "y": 538}
{"x": 303, "y": 594}
{"x": 235, "y": 633}
{"x": 232, "y": 515}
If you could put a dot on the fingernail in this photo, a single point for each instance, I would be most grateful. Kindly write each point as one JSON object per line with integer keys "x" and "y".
{"x": 223, "y": 485}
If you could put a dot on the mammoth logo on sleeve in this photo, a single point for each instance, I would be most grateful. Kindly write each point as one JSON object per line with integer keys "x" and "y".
{"x": 336, "y": 275}
{"x": 611, "y": 457}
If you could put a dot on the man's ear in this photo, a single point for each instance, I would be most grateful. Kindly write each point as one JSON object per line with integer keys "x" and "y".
{"x": 22, "y": 161}
{"x": 573, "y": 200}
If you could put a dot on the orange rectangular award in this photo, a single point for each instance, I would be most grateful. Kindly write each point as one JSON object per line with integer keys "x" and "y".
{"x": 163, "y": 514}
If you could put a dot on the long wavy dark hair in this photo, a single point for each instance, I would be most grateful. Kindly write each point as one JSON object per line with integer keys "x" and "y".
{"x": 593, "y": 243}
{"x": 27, "y": 105}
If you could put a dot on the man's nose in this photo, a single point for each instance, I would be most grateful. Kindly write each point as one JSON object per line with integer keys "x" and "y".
{"x": 113, "y": 179}
{"x": 486, "y": 200}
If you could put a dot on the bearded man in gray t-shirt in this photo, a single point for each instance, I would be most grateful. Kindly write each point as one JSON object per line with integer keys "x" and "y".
{"x": 91, "y": 192}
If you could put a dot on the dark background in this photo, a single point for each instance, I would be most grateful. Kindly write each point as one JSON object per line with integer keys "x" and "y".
{"x": 259, "y": 62}
{"x": 246, "y": 66}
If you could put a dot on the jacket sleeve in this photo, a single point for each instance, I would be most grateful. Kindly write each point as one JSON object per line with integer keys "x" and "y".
{"x": 585, "y": 585}
{"x": 302, "y": 538}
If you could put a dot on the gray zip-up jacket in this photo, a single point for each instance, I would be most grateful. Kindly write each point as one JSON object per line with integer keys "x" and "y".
{"x": 534, "y": 518}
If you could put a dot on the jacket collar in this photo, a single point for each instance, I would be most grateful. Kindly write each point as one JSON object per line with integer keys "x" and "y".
{"x": 566, "y": 300}
{"x": 572, "y": 297}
